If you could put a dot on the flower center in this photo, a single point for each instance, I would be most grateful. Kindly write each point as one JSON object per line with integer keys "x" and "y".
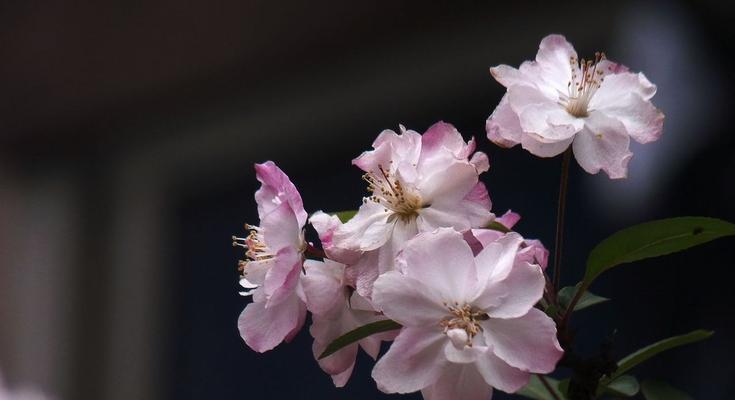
{"x": 388, "y": 191}
{"x": 464, "y": 318}
{"x": 255, "y": 247}
{"x": 586, "y": 79}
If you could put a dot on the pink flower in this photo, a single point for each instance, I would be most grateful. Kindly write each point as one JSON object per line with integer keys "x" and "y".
{"x": 556, "y": 101}
{"x": 418, "y": 184}
{"x": 337, "y": 309}
{"x": 274, "y": 259}
{"x": 469, "y": 322}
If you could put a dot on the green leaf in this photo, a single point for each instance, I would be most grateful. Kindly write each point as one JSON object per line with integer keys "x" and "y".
{"x": 359, "y": 334}
{"x": 625, "y": 385}
{"x": 653, "y": 239}
{"x": 345, "y": 216}
{"x": 536, "y": 390}
{"x": 587, "y": 300}
{"x": 656, "y": 390}
{"x": 497, "y": 226}
{"x": 635, "y": 358}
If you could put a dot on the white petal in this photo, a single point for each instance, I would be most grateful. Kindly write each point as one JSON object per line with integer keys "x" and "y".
{"x": 497, "y": 373}
{"x": 408, "y": 300}
{"x": 603, "y": 145}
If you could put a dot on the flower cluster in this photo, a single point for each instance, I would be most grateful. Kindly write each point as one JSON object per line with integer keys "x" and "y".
{"x": 424, "y": 249}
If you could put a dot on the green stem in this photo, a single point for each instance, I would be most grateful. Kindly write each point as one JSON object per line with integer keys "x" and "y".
{"x": 548, "y": 387}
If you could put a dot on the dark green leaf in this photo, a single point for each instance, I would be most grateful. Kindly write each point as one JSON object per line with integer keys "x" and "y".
{"x": 653, "y": 239}
{"x": 345, "y": 216}
{"x": 655, "y": 390}
{"x": 497, "y": 226}
{"x": 625, "y": 386}
{"x": 588, "y": 299}
{"x": 537, "y": 391}
{"x": 648, "y": 352}
{"x": 359, "y": 334}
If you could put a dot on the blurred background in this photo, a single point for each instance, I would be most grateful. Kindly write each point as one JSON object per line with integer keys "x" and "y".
{"x": 128, "y": 130}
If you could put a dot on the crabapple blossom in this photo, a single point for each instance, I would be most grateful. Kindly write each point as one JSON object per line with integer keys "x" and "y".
{"x": 274, "y": 259}
{"x": 418, "y": 183}
{"x": 337, "y": 309}
{"x": 469, "y": 322}
{"x": 595, "y": 106}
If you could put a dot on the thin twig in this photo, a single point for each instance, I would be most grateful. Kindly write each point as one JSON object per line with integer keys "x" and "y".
{"x": 548, "y": 387}
{"x": 559, "y": 241}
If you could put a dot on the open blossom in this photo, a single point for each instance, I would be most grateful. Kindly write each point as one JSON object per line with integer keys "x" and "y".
{"x": 418, "y": 183}
{"x": 469, "y": 322}
{"x": 595, "y": 106}
{"x": 274, "y": 259}
{"x": 337, "y": 309}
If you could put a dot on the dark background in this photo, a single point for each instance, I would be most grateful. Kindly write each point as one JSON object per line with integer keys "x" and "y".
{"x": 128, "y": 130}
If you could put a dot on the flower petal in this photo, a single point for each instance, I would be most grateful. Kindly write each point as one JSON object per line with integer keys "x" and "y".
{"x": 603, "y": 145}
{"x": 264, "y": 328}
{"x": 503, "y": 126}
{"x": 407, "y": 300}
{"x": 528, "y": 342}
{"x": 458, "y": 382}
{"x": 553, "y": 59}
{"x": 277, "y": 189}
{"x": 369, "y": 229}
{"x": 443, "y": 262}
{"x": 322, "y": 285}
{"x": 497, "y": 373}
{"x": 282, "y": 277}
{"x": 513, "y": 296}
{"x": 413, "y": 362}
{"x": 495, "y": 261}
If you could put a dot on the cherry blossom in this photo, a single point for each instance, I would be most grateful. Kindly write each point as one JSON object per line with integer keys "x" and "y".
{"x": 595, "y": 106}
{"x": 20, "y": 394}
{"x": 274, "y": 259}
{"x": 418, "y": 183}
{"x": 337, "y": 309}
{"x": 469, "y": 322}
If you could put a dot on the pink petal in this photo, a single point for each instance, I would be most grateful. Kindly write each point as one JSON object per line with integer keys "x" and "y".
{"x": 496, "y": 260}
{"x": 503, "y": 126}
{"x": 497, "y": 373}
{"x": 603, "y": 145}
{"x": 477, "y": 204}
{"x": 448, "y": 185}
{"x": 277, "y": 189}
{"x": 413, "y": 362}
{"x": 443, "y": 137}
{"x": 513, "y": 296}
{"x": 534, "y": 252}
{"x": 322, "y": 285}
{"x": 509, "y": 219}
{"x": 282, "y": 277}
{"x": 458, "y": 382}
{"x": 528, "y": 342}
{"x": 264, "y": 328}
{"x": 408, "y": 300}
{"x": 281, "y": 228}
{"x": 363, "y": 273}
{"x": 443, "y": 262}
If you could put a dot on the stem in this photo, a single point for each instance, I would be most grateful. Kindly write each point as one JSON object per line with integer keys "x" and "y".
{"x": 559, "y": 242}
{"x": 548, "y": 387}
{"x": 573, "y": 303}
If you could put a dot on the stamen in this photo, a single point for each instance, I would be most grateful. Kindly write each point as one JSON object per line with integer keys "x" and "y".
{"x": 255, "y": 248}
{"x": 581, "y": 89}
{"x": 390, "y": 192}
{"x": 465, "y": 318}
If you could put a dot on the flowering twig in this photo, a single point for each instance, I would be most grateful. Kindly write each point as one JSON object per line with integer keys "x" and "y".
{"x": 559, "y": 241}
